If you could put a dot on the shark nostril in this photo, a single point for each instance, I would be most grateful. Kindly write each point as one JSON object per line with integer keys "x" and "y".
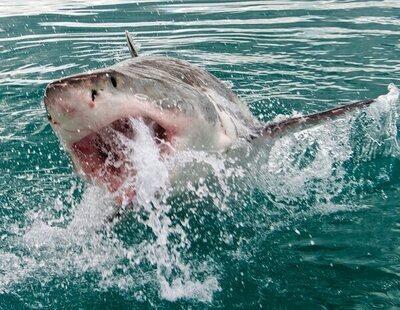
{"x": 114, "y": 81}
{"x": 94, "y": 94}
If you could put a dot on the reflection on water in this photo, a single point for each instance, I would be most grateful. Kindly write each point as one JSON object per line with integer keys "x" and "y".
{"x": 308, "y": 219}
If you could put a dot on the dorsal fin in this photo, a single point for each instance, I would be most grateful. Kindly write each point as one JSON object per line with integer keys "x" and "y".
{"x": 131, "y": 44}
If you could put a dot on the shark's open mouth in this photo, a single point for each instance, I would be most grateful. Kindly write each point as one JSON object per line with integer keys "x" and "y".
{"x": 103, "y": 156}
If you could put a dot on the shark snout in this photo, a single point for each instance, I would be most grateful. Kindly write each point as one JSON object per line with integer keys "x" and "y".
{"x": 81, "y": 99}
{"x": 81, "y": 89}
{"x": 63, "y": 86}
{"x": 56, "y": 97}
{"x": 63, "y": 99}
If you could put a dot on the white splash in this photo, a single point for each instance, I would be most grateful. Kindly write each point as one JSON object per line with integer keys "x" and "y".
{"x": 311, "y": 163}
{"x": 82, "y": 243}
{"x": 304, "y": 165}
{"x": 152, "y": 183}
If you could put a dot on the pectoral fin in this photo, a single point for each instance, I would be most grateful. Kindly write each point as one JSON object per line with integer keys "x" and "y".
{"x": 275, "y": 128}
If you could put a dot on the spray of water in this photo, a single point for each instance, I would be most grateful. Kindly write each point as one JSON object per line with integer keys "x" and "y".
{"x": 152, "y": 182}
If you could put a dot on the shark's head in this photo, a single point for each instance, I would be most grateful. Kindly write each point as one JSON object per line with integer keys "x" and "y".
{"x": 87, "y": 110}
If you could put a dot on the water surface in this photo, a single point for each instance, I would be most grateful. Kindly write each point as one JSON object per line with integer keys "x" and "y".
{"x": 312, "y": 221}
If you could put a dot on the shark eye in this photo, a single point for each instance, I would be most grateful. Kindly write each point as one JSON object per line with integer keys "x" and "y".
{"x": 114, "y": 81}
{"x": 94, "y": 94}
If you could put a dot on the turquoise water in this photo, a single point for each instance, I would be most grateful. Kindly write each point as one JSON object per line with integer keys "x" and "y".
{"x": 309, "y": 220}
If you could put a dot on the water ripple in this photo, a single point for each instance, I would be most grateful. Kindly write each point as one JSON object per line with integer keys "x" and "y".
{"x": 283, "y": 58}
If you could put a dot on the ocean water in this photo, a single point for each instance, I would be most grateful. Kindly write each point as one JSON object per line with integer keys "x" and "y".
{"x": 310, "y": 219}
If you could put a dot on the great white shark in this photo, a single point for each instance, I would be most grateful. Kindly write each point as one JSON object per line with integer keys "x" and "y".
{"x": 184, "y": 107}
